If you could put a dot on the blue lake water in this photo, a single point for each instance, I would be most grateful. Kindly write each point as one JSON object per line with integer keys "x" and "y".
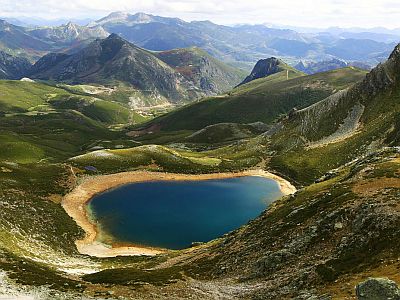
{"x": 173, "y": 214}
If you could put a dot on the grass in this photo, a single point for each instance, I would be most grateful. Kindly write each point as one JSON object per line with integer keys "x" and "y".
{"x": 379, "y": 127}
{"x": 23, "y": 97}
{"x": 262, "y": 100}
{"x": 46, "y": 132}
{"x": 161, "y": 158}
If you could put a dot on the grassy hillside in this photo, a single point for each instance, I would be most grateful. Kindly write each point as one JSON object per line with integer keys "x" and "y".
{"x": 34, "y": 98}
{"x": 39, "y": 121}
{"x": 264, "y": 100}
{"x": 342, "y": 127}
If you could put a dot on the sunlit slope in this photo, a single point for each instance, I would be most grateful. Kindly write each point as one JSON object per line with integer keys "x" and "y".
{"x": 342, "y": 127}
{"x": 38, "y": 121}
{"x": 264, "y": 99}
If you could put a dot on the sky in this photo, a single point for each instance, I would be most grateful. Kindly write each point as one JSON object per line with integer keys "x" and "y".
{"x": 305, "y": 13}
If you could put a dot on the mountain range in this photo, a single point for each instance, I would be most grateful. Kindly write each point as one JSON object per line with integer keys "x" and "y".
{"x": 327, "y": 65}
{"x": 240, "y": 45}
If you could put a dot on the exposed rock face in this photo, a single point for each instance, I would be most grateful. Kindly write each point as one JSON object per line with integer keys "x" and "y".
{"x": 378, "y": 289}
{"x": 12, "y": 67}
{"x": 331, "y": 113}
{"x": 114, "y": 59}
{"x": 68, "y": 33}
{"x": 322, "y": 66}
{"x": 264, "y": 68}
{"x": 207, "y": 73}
{"x": 178, "y": 75}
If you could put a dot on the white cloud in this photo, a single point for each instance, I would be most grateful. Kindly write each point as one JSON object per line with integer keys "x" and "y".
{"x": 322, "y": 13}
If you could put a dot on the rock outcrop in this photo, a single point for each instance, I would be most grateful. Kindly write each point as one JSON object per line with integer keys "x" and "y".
{"x": 264, "y": 68}
{"x": 378, "y": 289}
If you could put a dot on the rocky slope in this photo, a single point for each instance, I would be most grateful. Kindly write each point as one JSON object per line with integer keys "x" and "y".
{"x": 115, "y": 60}
{"x": 68, "y": 33}
{"x": 331, "y": 115}
{"x": 265, "y": 68}
{"x": 207, "y": 73}
{"x": 176, "y": 76}
{"x": 12, "y": 67}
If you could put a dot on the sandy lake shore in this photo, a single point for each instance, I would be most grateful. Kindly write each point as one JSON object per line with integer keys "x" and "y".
{"x": 75, "y": 203}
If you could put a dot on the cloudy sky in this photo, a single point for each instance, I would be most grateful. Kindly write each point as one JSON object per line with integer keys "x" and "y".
{"x": 309, "y": 13}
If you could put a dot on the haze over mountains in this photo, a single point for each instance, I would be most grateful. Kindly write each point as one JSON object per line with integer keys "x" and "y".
{"x": 240, "y": 45}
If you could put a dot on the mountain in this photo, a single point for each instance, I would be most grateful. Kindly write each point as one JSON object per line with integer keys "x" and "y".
{"x": 17, "y": 40}
{"x": 207, "y": 73}
{"x": 239, "y": 46}
{"x": 323, "y": 66}
{"x": 114, "y": 60}
{"x": 261, "y": 100}
{"x": 68, "y": 33}
{"x": 175, "y": 76}
{"x": 34, "y": 43}
{"x": 265, "y": 68}
{"x": 340, "y": 148}
{"x": 346, "y": 125}
{"x": 328, "y": 65}
{"x": 342, "y": 154}
{"x": 12, "y": 67}
{"x": 242, "y": 45}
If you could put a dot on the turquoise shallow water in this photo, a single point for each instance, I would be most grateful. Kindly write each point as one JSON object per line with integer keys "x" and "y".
{"x": 173, "y": 214}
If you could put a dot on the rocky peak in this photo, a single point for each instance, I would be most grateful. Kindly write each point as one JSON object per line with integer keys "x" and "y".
{"x": 114, "y": 37}
{"x": 113, "y": 41}
{"x": 396, "y": 53}
{"x": 71, "y": 29}
{"x": 264, "y": 68}
{"x": 383, "y": 77}
{"x": 141, "y": 18}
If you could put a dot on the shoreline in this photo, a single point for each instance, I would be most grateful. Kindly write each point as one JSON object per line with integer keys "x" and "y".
{"x": 74, "y": 203}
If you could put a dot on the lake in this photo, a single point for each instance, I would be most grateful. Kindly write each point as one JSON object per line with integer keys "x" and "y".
{"x": 173, "y": 214}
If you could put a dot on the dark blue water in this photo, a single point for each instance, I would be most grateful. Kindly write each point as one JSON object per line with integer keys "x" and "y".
{"x": 173, "y": 214}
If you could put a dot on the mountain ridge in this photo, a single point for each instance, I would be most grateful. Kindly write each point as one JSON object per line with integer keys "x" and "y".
{"x": 112, "y": 60}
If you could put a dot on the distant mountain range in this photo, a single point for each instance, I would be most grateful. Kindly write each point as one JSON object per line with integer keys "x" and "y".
{"x": 245, "y": 44}
{"x": 327, "y": 65}
{"x": 33, "y": 43}
{"x": 240, "y": 45}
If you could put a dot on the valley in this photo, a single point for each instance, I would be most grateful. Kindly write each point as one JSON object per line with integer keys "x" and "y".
{"x": 308, "y": 154}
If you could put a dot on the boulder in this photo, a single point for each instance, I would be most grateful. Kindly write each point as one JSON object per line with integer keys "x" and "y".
{"x": 378, "y": 289}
